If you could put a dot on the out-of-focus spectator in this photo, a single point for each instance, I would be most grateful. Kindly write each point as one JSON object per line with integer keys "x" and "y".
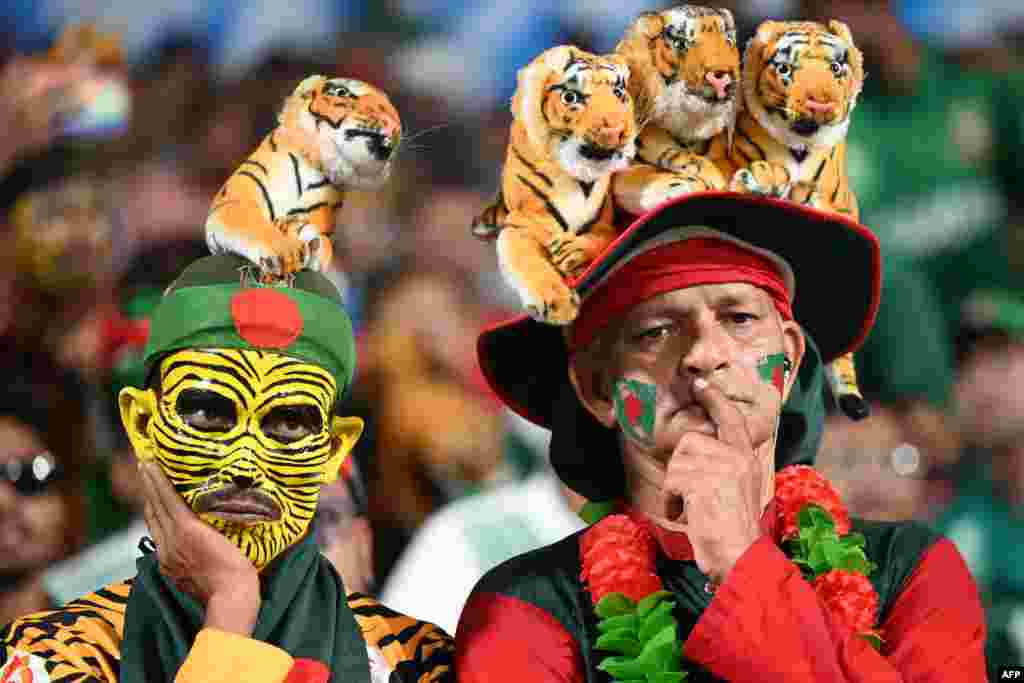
{"x": 884, "y": 466}
{"x": 44, "y": 448}
{"x": 343, "y": 530}
{"x": 114, "y": 517}
{"x": 985, "y": 517}
{"x": 433, "y": 433}
{"x": 459, "y": 543}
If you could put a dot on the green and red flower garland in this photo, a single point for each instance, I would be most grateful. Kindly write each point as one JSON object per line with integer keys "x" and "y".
{"x": 635, "y": 612}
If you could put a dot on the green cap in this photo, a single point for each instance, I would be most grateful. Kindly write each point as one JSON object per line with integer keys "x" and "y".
{"x": 217, "y": 302}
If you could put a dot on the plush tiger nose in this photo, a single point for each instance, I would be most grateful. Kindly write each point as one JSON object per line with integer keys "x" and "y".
{"x": 720, "y": 81}
{"x": 610, "y": 133}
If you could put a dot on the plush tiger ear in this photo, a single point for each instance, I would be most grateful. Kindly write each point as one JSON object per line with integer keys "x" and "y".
{"x": 730, "y": 20}
{"x": 769, "y": 31}
{"x": 308, "y": 85}
{"x": 838, "y": 28}
{"x": 645, "y": 83}
{"x": 529, "y": 96}
{"x": 854, "y": 57}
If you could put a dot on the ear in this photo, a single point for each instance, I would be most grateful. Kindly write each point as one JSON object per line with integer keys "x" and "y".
{"x": 529, "y": 96}
{"x": 137, "y": 407}
{"x": 645, "y": 83}
{"x": 649, "y": 25}
{"x": 793, "y": 345}
{"x": 855, "y": 57}
{"x": 768, "y": 30}
{"x": 591, "y": 389}
{"x": 838, "y": 28}
{"x": 345, "y": 432}
{"x": 308, "y": 85}
{"x": 730, "y": 20}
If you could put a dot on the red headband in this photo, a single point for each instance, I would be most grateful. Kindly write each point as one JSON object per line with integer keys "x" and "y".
{"x": 697, "y": 261}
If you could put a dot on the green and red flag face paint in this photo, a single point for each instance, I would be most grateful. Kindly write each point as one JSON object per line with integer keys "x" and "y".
{"x": 634, "y": 408}
{"x": 772, "y": 369}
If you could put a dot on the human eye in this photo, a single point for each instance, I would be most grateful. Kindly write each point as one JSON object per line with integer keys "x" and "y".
{"x": 291, "y": 423}
{"x": 205, "y": 410}
{"x": 741, "y": 318}
{"x": 651, "y": 334}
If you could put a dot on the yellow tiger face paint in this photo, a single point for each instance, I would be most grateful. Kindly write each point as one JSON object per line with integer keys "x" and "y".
{"x": 247, "y": 438}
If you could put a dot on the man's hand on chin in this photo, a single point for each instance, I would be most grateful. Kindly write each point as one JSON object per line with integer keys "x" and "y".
{"x": 719, "y": 481}
{"x": 198, "y": 559}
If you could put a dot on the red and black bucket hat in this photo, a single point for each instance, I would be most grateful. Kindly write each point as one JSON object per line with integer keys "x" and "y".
{"x": 836, "y": 267}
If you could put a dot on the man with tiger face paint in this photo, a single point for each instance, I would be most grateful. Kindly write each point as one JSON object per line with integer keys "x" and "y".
{"x": 247, "y": 438}
{"x": 236, "y": 433}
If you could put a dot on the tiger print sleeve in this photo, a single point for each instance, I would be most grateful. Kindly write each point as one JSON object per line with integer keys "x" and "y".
{"x": 414, "y": 650}
{"x": 79, "y": 643}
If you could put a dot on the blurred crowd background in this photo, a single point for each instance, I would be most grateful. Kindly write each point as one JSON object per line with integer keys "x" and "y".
{"x": 445, "y": 484}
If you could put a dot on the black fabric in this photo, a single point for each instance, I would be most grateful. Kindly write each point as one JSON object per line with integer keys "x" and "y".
{"x": 549, "y": 578}
{"x": 304, "y": 611}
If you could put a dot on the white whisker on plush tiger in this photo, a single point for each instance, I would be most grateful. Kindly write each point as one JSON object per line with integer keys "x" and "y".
{"x": 278, "y": 208}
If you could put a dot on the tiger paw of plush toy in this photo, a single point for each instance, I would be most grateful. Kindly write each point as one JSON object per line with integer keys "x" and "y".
{"x": 762, "y": 178}
{"x": 278, "y": 208}
{"x": 573, "y": 126}
{"x": 684, "y": 65}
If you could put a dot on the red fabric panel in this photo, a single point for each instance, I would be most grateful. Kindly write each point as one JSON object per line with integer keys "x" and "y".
{"x": 503, "y": 639}
{"x": 765, "y": 623}
{"x": 308, "y": 671}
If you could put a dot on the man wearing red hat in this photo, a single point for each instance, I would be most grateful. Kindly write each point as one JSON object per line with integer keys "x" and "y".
{"x": 684, "y": 403}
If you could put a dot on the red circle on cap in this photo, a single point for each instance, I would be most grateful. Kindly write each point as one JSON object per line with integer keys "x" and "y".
{"x": 266, "y": 318}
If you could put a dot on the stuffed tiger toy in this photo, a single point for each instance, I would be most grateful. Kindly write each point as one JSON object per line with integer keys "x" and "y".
{"x": 684, "y": 66}
{"x": 278, "y": 208}
{"x": 800, "y": 84}
{"x": 573, "y": 126}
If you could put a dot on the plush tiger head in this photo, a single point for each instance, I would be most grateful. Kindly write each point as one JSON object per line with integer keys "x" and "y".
{"x": 576, "y": 109}
{"x": 685, "y": 67}
{"x": 801, "y": 81}
{"x": 351, "y": 129}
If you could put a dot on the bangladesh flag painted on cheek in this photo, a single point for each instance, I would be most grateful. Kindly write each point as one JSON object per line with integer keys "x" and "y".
{"x": 772, "y": 369}
{"x": 634, "y": 407}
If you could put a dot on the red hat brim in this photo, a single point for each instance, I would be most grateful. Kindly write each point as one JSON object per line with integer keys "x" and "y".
{"x": 836, "y": 263}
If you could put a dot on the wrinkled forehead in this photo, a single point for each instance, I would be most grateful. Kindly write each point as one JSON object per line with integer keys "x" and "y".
{"x": 581, "y": 72}
{"x": 688, "y": 22}
{"x": 792, "y": 45}
{"x": 247, "y": 376}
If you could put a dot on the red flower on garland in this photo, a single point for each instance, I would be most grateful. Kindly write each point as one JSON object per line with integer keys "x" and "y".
{"x": 800, "y": 485}
{"x": 850, "y": 598}
{"x": 618, "y": 557}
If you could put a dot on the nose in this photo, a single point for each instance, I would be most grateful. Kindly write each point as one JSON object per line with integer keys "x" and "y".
{"x": 611, "y": 133}
{"x": 720, "y": 81}
{"x": 244, "y": 473}
{"x": 380, "y": 146}
{"x": 707, "y": 354}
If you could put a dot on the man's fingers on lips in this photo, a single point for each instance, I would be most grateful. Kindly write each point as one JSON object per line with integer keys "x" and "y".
{"x": 732, "y": 427}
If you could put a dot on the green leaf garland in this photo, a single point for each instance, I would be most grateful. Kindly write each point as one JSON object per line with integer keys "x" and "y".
{"x": 643, "y": 638}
